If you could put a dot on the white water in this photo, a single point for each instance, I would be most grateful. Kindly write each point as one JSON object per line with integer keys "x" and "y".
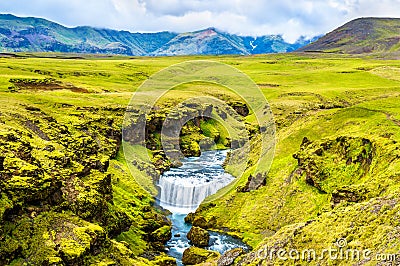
{"x": 183, "y": 189}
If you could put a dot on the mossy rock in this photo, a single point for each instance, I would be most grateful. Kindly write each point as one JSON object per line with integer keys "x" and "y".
{"x": 190, "y": 217}
{"x": 195, "y": 255}
{"x": 191, "y": 149}
{"x": 198, "y": 236}
{"x": 197, "y": 220}
{"x": 201, "y": 222}
{"x": 162, "y": 234}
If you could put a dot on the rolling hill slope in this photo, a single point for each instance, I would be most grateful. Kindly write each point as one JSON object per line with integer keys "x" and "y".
{"x": 363, "y": 35}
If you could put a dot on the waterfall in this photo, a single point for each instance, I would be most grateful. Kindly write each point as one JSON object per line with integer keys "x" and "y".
{"x": 183, "y": 189}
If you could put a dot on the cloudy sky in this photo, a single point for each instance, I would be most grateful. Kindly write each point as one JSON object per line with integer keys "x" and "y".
{"x": 291, "y": 18}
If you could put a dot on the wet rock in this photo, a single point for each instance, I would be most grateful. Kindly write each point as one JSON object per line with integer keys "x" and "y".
{"x": 195, "y": 255}
{"x": 229, "y": 257}
{"x": 198, "y": 236}
{"x": 200, "y": 221}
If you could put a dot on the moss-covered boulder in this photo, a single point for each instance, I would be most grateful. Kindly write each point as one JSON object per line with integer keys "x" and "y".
{"x": 198, "y": 236}
{"x": 162, "y": 234}
{"x": 201, "y": 222}
{"x": 195, "y": 255}
{"x": 190, "y": 217}
{"x": 197, "y": 220}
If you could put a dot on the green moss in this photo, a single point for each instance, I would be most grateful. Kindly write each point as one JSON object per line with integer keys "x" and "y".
{"x": 71, "y": 249}
{"x": 195, "y": 255}
{"x": 214, "y": 130}
{"x": 61, "y": 167}
{"x": 162, "y": 234}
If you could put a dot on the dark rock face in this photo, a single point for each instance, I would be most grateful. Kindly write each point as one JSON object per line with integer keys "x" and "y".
{"x": 348, "y": 194}
{"x": 240, "y": 108}
{"x": 229, "y": 257}
{"x": 190, "y": 217}
{"x": 198, "y": 236}
{"x": 195, "y": 255}
{"x": 254, "y": 183}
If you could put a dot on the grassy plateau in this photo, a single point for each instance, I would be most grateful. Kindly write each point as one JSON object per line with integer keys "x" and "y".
{"x": 68, "y": 197}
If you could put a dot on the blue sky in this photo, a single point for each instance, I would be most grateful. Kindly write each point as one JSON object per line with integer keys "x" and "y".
{"x": 246, "y": 17}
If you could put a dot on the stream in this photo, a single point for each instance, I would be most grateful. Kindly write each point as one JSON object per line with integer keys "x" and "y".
{"x": 183, "y": 189}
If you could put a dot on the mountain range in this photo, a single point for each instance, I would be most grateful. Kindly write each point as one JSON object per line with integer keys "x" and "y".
{"x": 31, "y": 34}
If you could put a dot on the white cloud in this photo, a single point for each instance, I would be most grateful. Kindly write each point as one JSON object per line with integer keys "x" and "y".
{"x": 256, "y": 17}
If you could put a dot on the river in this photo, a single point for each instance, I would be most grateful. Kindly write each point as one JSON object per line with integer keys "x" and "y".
{"x": 183, "y": 189}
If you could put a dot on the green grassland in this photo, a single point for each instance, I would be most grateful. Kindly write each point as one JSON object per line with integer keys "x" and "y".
{"x": 335, "y": 173}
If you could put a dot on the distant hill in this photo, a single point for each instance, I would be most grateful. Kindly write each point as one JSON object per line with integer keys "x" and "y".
{"x": 363, "y": 35}
{"x": 39, "y": 35}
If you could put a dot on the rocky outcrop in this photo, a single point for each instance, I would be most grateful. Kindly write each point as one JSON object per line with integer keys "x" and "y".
{"x": 56, "y": 187}
{"x": 349, "y": 194}
{"x": 197, "y": 220}
{"x": 195, "y": 255}
{"x": 198, "y": 236}
{"x": 253, "y": 183}
{"x": 349, "y": 157}
{"x": 240, "y": 108}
